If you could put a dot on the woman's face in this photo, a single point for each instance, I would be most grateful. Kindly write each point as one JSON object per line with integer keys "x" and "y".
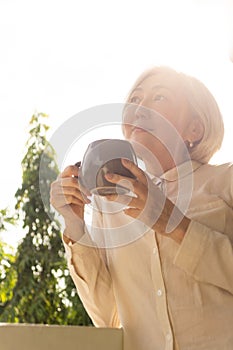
{"x": 157, "y": 132}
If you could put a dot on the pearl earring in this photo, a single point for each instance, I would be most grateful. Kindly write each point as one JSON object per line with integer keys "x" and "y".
{"x": 191, "y": 144}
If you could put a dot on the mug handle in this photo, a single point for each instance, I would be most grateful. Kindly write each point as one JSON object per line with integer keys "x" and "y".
{"x": 77, "y": 164}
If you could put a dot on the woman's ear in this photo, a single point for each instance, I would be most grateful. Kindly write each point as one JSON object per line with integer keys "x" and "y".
{"x": 195, "y": 130}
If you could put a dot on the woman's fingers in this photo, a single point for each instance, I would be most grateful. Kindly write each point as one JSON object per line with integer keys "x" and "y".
{"x": 61, "y": 200}
{"x": 134, "y": 185}
{"x": 66, "y": 187}
{"x": 133, "y": 212}
{"x": 70, "y": 171}
{"x": 144, "y": 205}
{"x": 135, "y": 170}
{"x": 68, "y": 182}
{"x": 66, "y": 191}
{"x": 67, "y": 196}
{"x": 69, "y": 177}
{"x": 129, "y": 201}
{"x": 139, "y": 185}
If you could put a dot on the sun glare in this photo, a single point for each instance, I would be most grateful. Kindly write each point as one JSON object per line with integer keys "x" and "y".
{"x": 78, "y": 58}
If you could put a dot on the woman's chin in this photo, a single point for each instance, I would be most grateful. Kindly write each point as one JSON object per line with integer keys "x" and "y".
{"x": 141, "y": 147}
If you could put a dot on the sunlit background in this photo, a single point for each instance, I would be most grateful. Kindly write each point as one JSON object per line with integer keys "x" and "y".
{"x": 61, "y": 57}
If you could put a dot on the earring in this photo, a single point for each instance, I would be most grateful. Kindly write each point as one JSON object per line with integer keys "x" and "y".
{"x": 191, "y": 144}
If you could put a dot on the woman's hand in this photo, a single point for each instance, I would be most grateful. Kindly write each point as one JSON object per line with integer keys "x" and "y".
{"x": 149, "y": 204}
{"x": 68, "y": 198}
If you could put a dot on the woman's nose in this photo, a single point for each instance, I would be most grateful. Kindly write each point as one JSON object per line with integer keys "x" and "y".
{"x": 142, "y": 112}
{"x": 135, "y": 112}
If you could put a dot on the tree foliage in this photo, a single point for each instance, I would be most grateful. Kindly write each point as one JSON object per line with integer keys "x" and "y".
{"x": 7, "y": 258}
{"x": 43, "y": 291}
{"x": 5, "y": 219}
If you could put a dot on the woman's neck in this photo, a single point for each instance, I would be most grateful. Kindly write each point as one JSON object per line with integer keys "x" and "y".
{"x": 158, "y": 166}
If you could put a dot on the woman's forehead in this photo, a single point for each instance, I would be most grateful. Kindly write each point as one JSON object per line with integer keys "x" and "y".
{"x": 170, "y": 80}
{"x": 152, "y": 82}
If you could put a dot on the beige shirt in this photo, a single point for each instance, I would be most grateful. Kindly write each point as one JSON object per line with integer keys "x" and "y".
{"x": 166, "y": 296}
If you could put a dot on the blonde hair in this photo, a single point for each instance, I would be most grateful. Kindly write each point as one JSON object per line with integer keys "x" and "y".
{"x": 203, "y": 106}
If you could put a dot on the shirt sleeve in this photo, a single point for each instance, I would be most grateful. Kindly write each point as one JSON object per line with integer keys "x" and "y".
{"x": 92, "y": 279}
{"x": 207, "y": 256}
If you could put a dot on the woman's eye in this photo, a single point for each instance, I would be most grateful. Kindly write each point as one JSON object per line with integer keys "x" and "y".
{"x": 135, "y": 99}
{"x": 159, "y": 97}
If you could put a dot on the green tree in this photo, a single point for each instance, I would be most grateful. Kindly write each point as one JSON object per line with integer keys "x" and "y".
{"x": 7, "y": 258}
{"x": 5, "y": 219}
{"x": 44, "y": 291}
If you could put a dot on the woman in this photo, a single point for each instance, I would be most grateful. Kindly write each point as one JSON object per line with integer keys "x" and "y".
{"x": 170, "y": 287}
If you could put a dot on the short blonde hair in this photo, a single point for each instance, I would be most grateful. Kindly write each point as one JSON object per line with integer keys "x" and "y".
{"x": 203, "y": 106}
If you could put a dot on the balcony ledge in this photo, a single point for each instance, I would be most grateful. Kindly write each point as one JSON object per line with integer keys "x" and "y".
{"x": 53, "y": 337}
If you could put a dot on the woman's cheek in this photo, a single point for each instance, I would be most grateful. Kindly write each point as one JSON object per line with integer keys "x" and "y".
{"x": 126, "y": 130}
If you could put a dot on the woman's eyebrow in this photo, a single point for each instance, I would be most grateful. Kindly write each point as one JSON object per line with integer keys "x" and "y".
{"x": 159, "y": 86}
{"x": 136, "y": 89}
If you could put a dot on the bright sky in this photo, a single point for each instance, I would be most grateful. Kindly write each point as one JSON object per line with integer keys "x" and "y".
{"x": 63, "y": 56}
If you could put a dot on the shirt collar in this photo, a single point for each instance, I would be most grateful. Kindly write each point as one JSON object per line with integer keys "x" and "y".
{"x": 181, "y": 171}
{"x": 178, "y": 172}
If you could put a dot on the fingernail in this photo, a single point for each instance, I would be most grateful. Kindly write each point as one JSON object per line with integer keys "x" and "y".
{"x": 109, "y": 175}
{"x": 125, "y": 161}
{"x": 87, "y": 200}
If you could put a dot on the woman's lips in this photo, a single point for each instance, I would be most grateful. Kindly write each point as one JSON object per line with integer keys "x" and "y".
{"x": 138, "y": 129}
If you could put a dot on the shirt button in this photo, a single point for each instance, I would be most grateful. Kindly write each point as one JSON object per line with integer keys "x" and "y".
{"x": 154, "y": 251}
{"x": 159, "y": 292}
{"x": 169, "y": 337}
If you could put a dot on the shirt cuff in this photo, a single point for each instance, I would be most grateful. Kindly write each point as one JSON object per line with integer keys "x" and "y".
{"x": 81, "y": 247}
{"x": 192, "y": 247}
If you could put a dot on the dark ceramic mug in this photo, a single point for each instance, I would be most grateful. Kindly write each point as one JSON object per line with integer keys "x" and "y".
{"x": 102, "y": 157}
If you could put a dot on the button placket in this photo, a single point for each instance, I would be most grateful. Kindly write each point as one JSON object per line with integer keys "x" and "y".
{"x": 160, "y": 294}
